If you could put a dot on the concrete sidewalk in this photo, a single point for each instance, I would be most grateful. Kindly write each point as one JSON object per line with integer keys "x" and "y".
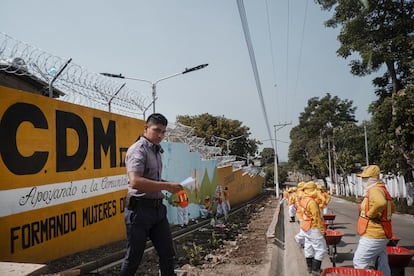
{"x": 345, "y": 248}
{"x": 294, "y": 260}
{"x": 291, "y": 257}
{"x": 345, "y": 222}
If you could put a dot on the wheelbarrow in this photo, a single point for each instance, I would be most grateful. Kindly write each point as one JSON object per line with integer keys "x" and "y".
{"x": 349, "y": 271}
{"x": 399, "y": 258}
{"x": 332, "y": 238}
{"x": 330, "y": 218}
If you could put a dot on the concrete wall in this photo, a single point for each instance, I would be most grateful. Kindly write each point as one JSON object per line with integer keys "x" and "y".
{"x": 63, "y": 179}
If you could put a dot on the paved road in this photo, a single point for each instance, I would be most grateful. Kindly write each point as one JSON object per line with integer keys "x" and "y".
{"x": 345, "y": 221}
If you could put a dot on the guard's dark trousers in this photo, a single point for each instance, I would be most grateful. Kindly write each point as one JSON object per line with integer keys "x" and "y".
{"x": 143, "y": 222}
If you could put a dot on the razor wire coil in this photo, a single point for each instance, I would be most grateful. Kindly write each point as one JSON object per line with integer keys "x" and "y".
{"x": 79, "y": 85}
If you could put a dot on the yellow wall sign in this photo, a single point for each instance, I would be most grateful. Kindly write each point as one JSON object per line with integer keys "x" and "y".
{"x": 62, "y": 176}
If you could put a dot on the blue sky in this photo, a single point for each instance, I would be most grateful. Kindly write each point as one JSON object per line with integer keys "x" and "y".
{"x": 296, "y": 58}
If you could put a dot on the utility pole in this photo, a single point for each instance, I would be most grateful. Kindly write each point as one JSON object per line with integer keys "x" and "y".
{"x": 330, "y": 166}
{"x": 366, "y": 144}
{"x": 276, "y": 173}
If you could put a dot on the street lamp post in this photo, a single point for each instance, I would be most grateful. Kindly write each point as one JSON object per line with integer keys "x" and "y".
{"x": 366, "y": 144}
{"x": 276, "y": 173}
{"x": 228, "y": 141}
{"x": 154, "y": 83}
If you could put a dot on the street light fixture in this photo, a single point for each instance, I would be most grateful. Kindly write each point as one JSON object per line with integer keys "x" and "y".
{"x": 154, "y": 83}
{"x": 228, "y": 141}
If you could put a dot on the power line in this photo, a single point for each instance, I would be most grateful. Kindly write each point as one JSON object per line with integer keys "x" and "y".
{"x": 287, "y": 51}
{"x": 273, "y": 58}
{"x": 247, "y": 37}
{"x": 300, "y": 53}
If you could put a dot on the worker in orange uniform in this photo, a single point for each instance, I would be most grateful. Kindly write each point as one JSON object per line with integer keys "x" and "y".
{"x": 299, "y": 237}
{"x": 182, "y": 210}
{"x": 291, "y": 203}
{"x": 374, "y": 222}
{"x": 313, "y": 230}
{"x": 299, "y": 195}
{"x": 206, "y": 208}
{"x": 285, "y": 197}
{"x": 320, "y": 197}
{"x": 327, "y": 196}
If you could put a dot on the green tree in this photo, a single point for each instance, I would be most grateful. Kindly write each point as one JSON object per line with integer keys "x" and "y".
{"x": 317, "y": 123}
{"x": 268, "y": 156}
{"x": 282, "y": 171}
{"x": 210, "y": 127}
{"x": 397, "y": 130}
{"x": 348, "y": 147}
{"x": 380, "y": 33}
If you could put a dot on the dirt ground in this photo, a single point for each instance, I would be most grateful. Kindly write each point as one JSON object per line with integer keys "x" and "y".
{"x": 239, "y": 248}
{"x": 247, "y": 255}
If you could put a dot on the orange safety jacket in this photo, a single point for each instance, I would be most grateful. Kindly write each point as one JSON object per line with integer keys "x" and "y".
{"x": 385, "y": 216}
{"x": 306, "y": 217}
{"x": 182, "y": 199}
{"x": 299, "y": 210}
{"x": 291, "y": 199}
{"x": 226, "y": 195}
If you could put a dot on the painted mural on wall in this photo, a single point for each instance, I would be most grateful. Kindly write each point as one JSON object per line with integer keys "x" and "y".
{"x": 63, "y": 179}
{"x": 224, "y": 186}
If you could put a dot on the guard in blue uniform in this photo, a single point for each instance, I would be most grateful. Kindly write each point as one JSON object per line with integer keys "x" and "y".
{"x": 145, "y": 215}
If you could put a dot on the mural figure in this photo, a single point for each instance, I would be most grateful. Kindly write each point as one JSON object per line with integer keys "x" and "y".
{"x": 221, "y": 209}
{"x": 182, "y": 208}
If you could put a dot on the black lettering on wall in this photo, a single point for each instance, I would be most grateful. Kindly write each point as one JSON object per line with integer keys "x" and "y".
{"x": 13, "y": 237}
{"x": 98, "y": 212}
{"x": 105, "y": 140}
{"x": 64, "y": 121}
{"x": 12, "y": 118}
{"x": 122, "y": 154}
{"x": 122, "y": 204}
{"x": 37, "y": 232}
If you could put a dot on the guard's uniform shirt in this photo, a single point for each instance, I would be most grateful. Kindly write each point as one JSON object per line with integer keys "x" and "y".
{"x": 145, "y": 157}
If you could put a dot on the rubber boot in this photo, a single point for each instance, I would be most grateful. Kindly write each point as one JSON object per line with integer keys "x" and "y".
{"x": 309, "y": 262}
{"x": 316, "y": 267}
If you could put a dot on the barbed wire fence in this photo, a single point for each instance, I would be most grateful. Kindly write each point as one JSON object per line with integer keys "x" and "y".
{"x": 79, "y": 85}
{"x": 82, "y": 87}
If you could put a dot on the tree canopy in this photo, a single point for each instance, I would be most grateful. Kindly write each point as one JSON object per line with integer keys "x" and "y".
{"x": 319, "y": 123}
{"x": 220, "y": 131}
{"x": 380, "y": 34}
{"x": 395, "y": 135}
